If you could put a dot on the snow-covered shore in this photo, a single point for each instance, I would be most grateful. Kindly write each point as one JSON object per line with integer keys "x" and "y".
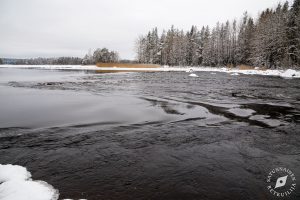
{"x": 289, "y": 73}
{"x": 16, "y": 184}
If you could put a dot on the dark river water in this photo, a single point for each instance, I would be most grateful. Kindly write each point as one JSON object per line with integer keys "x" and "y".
{"x": 160, "y": 135}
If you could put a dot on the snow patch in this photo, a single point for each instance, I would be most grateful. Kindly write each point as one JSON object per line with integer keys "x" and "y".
{"x": 235, "y": 74}
{"x": 16, "y": 184}
{"x": 290, "y": 73}
{"x": 241, "y": 112}
{"x": 193, "y": 75}
{"x": 13, "y": 172}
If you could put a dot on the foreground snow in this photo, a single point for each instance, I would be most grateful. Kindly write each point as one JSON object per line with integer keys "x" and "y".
{"x": 289, "y": 73}
{"x": 16, "y": 184}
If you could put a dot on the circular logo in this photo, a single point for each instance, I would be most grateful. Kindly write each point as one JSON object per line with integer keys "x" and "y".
{"x": 281, "y": 182}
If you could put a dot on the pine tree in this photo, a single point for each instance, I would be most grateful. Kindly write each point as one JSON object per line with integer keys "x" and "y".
{"x": 233, "y": 42}
{"x": 206, "y": 47}
{"x": 293, "y": 32}
{"x": 162, "y": 50}
{"x": 242, "y": 40}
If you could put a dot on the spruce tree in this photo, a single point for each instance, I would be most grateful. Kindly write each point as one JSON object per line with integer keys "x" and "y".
{"x": 293, "y": 33}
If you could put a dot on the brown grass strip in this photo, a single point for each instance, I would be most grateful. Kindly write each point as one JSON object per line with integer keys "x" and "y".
{"x": 127, "y": 65}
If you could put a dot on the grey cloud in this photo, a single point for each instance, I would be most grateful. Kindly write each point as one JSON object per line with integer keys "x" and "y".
{"x": 32, "y": 28}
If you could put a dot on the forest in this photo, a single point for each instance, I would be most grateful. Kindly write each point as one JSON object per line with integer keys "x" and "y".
{"x": 99, "y": 55}
{"x": 270, "y": 41}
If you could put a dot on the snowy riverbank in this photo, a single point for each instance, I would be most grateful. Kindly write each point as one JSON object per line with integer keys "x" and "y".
{"x": 289, "y": 73}
{"x": 16, "y": 184}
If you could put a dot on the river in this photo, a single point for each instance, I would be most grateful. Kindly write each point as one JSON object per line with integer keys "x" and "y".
{"x": 150, "y": 135}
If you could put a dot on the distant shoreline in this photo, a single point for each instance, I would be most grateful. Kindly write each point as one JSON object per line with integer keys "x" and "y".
{"x": 287, "y": 73}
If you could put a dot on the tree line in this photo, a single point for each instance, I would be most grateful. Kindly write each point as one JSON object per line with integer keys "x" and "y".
{"x": 47, "y": 61}
{"x": 271, "y": 41}
{"x": 99, "y": 55}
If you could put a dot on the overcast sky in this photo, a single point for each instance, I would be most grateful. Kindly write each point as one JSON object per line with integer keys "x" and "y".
{"x": 52, "y": 28}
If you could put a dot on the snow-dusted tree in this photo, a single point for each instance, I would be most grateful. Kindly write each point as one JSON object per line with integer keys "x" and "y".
{"x": 244, "y": 42}
{"x": 162, "y": 50}
{"x": 139, "y": 49}
{"x": 193, "y": 53}
{"x": 105, "y": 56}
{"x": 154, "y": 44}
{"x": 206, "y": 53}
{"x": 233, "y": 44}
{"x": 169, "y": 47}
{"x": 147, "y": 48}
{"x": 260, "y": 54}
{"x": 279, "y": 41}
{"x": 271, "y": 38}
{"x": 88, "y": 58}
{"x": 293, "y": 34}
